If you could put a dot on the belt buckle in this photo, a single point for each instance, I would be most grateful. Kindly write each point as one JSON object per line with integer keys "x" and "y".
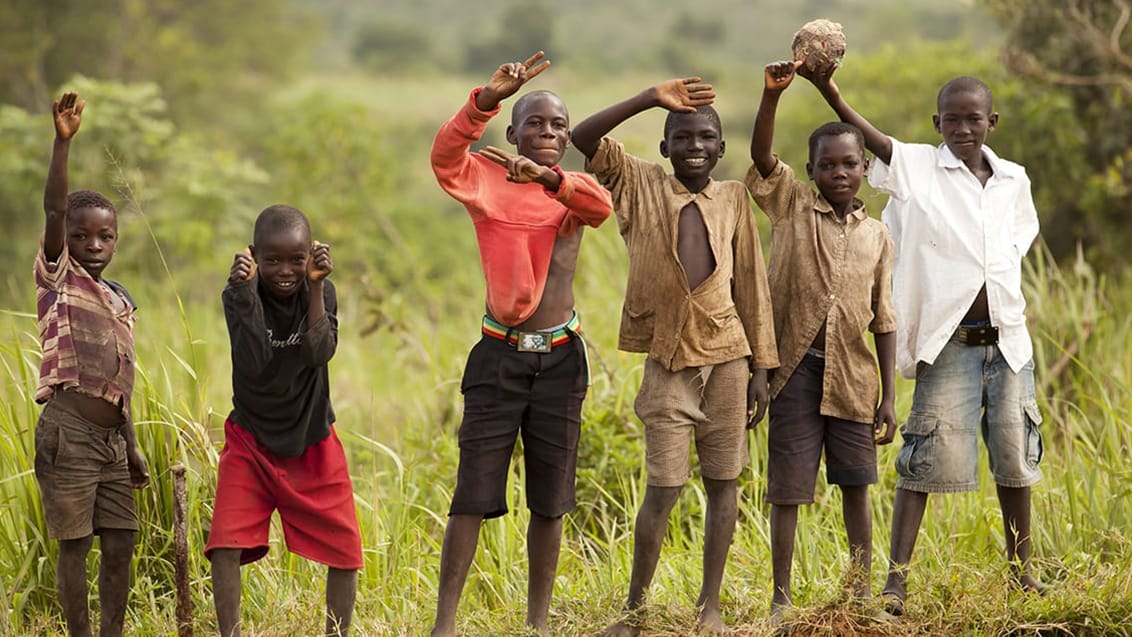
{"x": 978, "y": 335}
{"x": 533, "y": 342}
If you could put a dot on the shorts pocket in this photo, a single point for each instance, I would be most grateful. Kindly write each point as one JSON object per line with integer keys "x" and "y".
{"x": 915, "y": 458}
{"x": 1034, "y": 447}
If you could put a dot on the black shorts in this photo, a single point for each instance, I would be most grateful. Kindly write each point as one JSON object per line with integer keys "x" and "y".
{"x": 798, "y": 432}
{"x": 507, "y": 392}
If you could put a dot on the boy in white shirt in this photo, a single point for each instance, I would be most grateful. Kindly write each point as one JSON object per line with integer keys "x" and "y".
{"x": 962, "y": 220}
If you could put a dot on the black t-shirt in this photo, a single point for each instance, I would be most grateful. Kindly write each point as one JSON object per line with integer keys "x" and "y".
{"x": 280, "y": 383}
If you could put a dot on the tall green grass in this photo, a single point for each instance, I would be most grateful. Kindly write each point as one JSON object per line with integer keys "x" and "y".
{"x": 396, "y": 394}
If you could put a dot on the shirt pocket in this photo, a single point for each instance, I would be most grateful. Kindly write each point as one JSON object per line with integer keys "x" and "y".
{"x": 96, "y": 351}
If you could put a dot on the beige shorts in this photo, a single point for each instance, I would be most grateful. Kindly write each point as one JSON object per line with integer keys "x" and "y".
{"x": 707, "y": 403}
{"x": 82, "y": 474}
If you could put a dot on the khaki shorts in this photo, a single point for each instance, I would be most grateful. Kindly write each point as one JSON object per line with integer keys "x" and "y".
{"x": 707, "y": 403}
{"x": 82, "y": 474}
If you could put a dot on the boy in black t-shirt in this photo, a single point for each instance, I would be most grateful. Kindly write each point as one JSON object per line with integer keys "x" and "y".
{"x": 280, "y": 449}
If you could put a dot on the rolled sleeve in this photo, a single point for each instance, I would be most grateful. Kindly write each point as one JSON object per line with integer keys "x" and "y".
{"x": 777, "y": 194}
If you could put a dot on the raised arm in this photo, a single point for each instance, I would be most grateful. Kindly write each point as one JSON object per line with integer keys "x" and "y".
{"x": 776, "y": 77}
{"x": 67, "y": 113}
{"x": 681, "y": 95}
{"x": 243, "y": 312}
{"x": 877, "y": 142}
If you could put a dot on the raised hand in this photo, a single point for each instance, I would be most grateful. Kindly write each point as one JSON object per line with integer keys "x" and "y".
{"x": 822, "y": 79}
{"x": 320, "y": 265}
{"x": 243, "y": 267}
{"x": 683, "y": 95}
{"x": 68, "y": 114}
{"x": 520, "y": 170}
{"x": 779, "y": 75}
{"x": 508, "y": 78}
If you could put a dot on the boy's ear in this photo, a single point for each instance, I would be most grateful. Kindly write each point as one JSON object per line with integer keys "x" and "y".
{"x": 251, "y": 251}
{"x": 993, "y": 119}
{"x": 935, "y": 123}
{"x": 511, "y": 139}
{"x": 664, "y": 148}
{"x": 810, "y": 170}
{"x": 722, "y": 147}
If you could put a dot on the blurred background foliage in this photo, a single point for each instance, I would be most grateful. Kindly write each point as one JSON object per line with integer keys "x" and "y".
{"x": 202, "y": 113}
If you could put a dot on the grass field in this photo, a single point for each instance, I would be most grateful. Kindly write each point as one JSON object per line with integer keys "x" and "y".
{"x": 396, "y": 394}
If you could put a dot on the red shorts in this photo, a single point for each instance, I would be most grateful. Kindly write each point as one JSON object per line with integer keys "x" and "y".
{"x": 312, "y": 493}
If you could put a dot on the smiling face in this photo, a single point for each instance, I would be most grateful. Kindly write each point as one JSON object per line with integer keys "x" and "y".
{"x": 837, "y": 167}
{"x": 694, "y": 145}
{"x": 282, "y": 258}
{"x": 92, "y": 236}
{"x": 540, "y": 128}
{"x": 964, "y": 119}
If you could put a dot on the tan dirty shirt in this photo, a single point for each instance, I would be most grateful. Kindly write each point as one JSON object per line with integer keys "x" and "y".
{"x": 728, "y": 316}
{"x": 823, "y": 270}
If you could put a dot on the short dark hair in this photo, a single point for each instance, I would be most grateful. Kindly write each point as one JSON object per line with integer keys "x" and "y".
{"x": 522, "y": 102}
{"x": 835, "y": 129}
{"x": 89, "y": 199}
{"x": 966, "y": 84}
{"x": 279, "y": 218}
{"x": 707, "y": 110}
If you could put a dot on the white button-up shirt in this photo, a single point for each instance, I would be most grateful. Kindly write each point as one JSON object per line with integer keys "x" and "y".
{"x": 952, "y": 235}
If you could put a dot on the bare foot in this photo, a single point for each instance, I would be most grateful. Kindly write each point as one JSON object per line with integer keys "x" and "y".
{"x": 1030, "y": 584}
{"x": 437, "y": 631}
{"x": 621, "y": 629}
{"x": 711, "y": 621}
{"x": 538, "y": 631}
{"x": 777, "y": 622}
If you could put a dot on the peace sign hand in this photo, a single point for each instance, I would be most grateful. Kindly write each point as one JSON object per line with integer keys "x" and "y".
{"x": 508, "y": 78}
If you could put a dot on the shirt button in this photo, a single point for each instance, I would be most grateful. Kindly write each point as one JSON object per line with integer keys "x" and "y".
{"x": 831, "y": 296}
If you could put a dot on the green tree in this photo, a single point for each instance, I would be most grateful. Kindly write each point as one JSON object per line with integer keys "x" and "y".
{"x": 1080, "y": 50}
{"x": 523, "y": 27}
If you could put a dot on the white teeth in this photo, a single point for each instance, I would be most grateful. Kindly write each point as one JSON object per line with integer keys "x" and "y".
{"x": 695, "y": 161}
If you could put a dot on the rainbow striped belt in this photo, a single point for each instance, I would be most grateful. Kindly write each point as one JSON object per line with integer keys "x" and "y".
{"x": 532, "y": 341}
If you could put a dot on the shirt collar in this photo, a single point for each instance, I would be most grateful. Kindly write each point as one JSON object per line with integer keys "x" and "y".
{"x": 999, "y": 168}
{"x": 858, "y": 212}
{"x": 678, "y": 188}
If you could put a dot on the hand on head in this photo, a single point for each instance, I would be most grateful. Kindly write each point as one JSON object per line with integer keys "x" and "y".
{"x": 520, "y": 170}
{"x": 779, "y": 75}
{"x": 320, "y": 265}
{"x": 68, "y": 114}
{"x": 508, "y": 78}
{"x": 684, "y": 95}
{"x": 243, "y": 266}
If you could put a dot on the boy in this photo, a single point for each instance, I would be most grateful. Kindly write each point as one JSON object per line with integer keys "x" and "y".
{"x": 962, "y": 219}
{"x": 280, "y": 447}
{"x": 830, "y": 281}
{"x": 86, "y": 452}
{"x": 697, "y": 303}
{"x": 528, "y": 372}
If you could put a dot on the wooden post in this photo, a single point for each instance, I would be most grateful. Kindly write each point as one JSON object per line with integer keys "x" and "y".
{"x": 181, "y": 555}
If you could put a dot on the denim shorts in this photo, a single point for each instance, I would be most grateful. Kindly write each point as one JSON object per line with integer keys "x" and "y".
{"x": 968, "y": 390}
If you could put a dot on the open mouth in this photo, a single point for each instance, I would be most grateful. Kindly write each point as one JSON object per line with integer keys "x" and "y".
{"x": 286, "y": 285}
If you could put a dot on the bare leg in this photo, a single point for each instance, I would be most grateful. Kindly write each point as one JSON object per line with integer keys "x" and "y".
{"x": 226, "y": 589}
{"x": 341, "y": 589}
{"x": 859, "y": 529}
{"x": 544, "y": 539}
{"x": 722, "y": 510}
{"x": 648, "y": 537}
{"x": 907, "y": 515}
{"x": 783, "y": 525}
{"x": 114, "y": 579}
{"x": 461, "y": 537}
{"x": 70, "y": 577}
{"x": 1015, "y": 504}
